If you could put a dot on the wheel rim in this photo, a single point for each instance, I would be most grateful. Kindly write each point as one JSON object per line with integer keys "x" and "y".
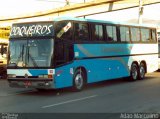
{"x": 142, "y": 72}
{"x": 78, "y": 81}
{"x": 134, "y": 73}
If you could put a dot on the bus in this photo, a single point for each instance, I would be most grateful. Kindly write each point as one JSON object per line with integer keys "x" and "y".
{"x": 72, "y": 52}
{"x": 3, "y": 57}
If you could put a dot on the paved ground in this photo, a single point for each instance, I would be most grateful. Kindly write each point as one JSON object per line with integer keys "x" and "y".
{"x": 117, "y": 96}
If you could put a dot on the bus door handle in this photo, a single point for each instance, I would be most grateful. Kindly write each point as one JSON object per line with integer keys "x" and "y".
{"x": 1, "y": 61}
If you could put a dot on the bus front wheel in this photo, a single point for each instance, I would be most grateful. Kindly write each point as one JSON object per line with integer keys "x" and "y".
{"x": 134, "y": 72}
{"x": 78, "y": 80}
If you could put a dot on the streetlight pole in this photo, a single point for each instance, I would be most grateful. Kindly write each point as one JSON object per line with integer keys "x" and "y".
{"x": 67, "y": 2}
{"x": 140, "y": 12}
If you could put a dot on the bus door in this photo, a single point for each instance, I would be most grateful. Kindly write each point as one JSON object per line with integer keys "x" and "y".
{"x": 63, "y": 63}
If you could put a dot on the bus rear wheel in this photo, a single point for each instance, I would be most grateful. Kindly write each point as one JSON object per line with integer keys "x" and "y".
{"x": 134, "y": 72}
{"x": 78, "y": 80}
{"x": 142, "y": 71}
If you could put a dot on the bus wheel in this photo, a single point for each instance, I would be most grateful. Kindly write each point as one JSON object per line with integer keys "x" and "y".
{"x": 142, "y": 71}
{"x": 78, "y": 80}
{"x": 134, "y": 72}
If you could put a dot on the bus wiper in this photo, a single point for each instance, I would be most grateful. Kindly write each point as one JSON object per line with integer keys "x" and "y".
{"x": 33, "y": 60}
{"x": 20, "y": 55}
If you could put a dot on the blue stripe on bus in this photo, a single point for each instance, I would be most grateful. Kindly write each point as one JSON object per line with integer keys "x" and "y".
{"x": 94, "y": 50}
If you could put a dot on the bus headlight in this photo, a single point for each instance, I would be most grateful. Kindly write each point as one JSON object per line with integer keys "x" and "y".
{"x": 50, "y": 76}
{"x": 11, "y": 75}
{"x": 42, "y": 76}
{"x": 45, "y": 76}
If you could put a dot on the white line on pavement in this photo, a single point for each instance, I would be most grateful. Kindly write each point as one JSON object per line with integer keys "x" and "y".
{"x": 70, "y": 101}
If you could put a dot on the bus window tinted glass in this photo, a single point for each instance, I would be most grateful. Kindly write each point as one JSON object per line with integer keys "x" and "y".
{"x": 145, "y": 35}
{"x": 64, "y": 30}
{"x": 124, "y": 33}
{"x": 81, "y": 31}
{"x": 135, "y": 34}
{"x": 97, "y": 31}
{"x": 31, "y": 52}
{"x": 111, "y": 33}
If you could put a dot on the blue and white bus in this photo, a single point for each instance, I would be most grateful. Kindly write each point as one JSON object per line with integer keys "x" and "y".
{"x": 72, "y": 52}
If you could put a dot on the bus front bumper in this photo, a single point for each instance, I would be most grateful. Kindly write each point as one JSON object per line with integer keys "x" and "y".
{"x": 39, "y": 84}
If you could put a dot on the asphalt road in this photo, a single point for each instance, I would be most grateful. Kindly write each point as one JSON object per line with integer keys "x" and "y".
{"x": 116, "y": 96}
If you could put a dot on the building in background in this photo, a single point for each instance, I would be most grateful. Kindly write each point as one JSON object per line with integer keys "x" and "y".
{"x": 4, "y": 36}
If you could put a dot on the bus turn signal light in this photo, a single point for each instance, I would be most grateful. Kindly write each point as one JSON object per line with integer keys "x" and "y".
{"x": 50, "y": 76}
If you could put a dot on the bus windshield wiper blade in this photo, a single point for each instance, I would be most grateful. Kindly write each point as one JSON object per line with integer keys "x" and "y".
{"x": 31, "y": 57}
{"x": 20, "y": 55}
{"x": 33, "y": 60}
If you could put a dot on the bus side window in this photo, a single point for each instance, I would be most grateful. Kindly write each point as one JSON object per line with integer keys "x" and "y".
{"x": 81, "y": 32}
{"x": 111, "y": 33}
{"x": 135, "y": 34}
{"x": 64, "y": 30}
{"x": 145, "y": 35}
{"x": 97, "y": 32}
{"x": 124, "y": 34}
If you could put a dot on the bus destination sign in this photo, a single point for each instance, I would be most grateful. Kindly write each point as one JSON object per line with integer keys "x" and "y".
{"x": 31, "y": 30}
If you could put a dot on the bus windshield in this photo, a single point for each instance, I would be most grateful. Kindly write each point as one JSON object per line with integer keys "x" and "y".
{"x": 31, "y": 52}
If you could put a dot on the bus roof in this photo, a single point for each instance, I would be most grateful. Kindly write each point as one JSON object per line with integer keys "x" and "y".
{"x": 92, "y": 20}
{"x": 102, "y": 21}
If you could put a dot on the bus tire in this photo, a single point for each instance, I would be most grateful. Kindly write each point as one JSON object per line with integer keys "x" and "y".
{"x": 142, "y": 71}
{"x": 78, "y": 80}
{"x": 134, "y": 73}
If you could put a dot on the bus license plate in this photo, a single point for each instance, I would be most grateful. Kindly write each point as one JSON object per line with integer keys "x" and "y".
{"x": 27, "y": 83}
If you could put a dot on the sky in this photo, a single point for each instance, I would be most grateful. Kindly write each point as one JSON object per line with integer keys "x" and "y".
{"x": 151, "y": 12}
{"x": 10, "y": 8}
{"x": 18, "y": 7}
